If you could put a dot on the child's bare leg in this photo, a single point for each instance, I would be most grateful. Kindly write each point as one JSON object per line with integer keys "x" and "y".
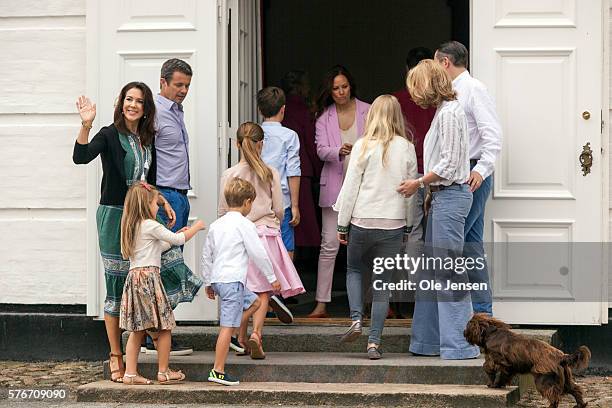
{"x": 244, "y": 328}
{"x": 132, "y": 349}
{"x": 222, "y": 348}
{"x": 259, "y": 315}
{"x": 163, "y": 345}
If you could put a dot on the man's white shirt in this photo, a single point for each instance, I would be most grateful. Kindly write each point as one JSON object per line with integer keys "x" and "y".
{"x": 484, "y": 129}
{"x": 231, "y": 241}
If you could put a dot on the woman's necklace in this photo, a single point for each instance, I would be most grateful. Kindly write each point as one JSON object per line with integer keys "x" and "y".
{"x": 143, "y": 157}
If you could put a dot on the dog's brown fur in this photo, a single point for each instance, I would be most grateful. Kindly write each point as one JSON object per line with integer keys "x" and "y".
{"x": 509, "y": 353}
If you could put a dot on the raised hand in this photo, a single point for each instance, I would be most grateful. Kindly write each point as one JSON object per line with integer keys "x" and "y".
{"x": 86, "y": 109}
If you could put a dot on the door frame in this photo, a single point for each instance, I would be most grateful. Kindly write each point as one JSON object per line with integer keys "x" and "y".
{"x": 606, "y": 234}
{"x": 93, "y": 264}
{"x": 92, "y": 78}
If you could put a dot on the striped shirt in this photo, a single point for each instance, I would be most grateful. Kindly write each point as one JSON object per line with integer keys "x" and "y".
{"x": 446, "y": 148}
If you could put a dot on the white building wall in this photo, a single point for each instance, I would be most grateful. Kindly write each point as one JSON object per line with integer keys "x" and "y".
{"x": 42, "y": 199}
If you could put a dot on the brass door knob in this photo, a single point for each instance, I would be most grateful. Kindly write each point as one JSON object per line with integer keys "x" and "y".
{"x": 586, "y": 115}
{"x": 586, "y": 159}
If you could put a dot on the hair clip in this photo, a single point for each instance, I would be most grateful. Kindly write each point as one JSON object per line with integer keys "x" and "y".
{"x": 146, "y": 185}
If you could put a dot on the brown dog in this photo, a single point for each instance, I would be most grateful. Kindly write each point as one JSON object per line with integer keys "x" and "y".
{"x": 508, "y": 354}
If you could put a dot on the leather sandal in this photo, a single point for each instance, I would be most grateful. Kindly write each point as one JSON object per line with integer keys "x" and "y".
{"x": 136, "y": 379}
{"x": 322, "y": 315}
{"x": 168, "y": 377}
{"x": 255, "y": 343}
{"x": 115, "y": 363}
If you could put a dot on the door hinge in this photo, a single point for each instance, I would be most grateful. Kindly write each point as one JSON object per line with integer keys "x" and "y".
{"x": 219, "y": 13}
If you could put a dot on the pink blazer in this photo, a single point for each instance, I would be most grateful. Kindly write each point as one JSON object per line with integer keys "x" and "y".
{"x": 329, "y": 141}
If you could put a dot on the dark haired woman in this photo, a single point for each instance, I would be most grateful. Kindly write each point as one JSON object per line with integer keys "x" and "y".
{"x": 127, "y": 150}
{"x": 298, "y": 117}
{"x": 340, "y": 122}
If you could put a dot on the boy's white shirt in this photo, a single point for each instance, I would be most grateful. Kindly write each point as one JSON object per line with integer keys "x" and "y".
{"x": 231, "y": 241}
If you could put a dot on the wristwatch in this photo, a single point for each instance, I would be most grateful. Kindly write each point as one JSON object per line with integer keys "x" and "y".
{"x": 421, "y": 183}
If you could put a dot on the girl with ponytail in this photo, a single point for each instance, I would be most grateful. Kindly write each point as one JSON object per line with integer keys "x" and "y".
{"x": 266, "y": 213}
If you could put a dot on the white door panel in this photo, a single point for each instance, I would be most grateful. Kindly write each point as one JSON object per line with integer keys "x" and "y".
{"x": 542, "y": 60}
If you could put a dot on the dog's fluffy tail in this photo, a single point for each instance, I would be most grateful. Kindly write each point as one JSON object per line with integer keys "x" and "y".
{"x": 578, "y": 360}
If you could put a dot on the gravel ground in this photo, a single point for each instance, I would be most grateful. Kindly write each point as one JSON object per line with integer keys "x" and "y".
{"x": 69, "y": 375}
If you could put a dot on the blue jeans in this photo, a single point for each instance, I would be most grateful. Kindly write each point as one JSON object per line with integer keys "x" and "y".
{"x": 363, "y": 246}
{"x": 440, "y": 316}
{"x": 179, "y": 203}
{"x": 287, "y": 231}
{"x": 474, "y": 236}
{"x": 415, "y": 243}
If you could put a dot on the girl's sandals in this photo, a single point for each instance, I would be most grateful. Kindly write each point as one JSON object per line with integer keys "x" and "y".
{"x": 115, "y": 363}
{"x": 170, "y": 377}
{"x": 135, "y": 379}
{"x": 257, "y": 352}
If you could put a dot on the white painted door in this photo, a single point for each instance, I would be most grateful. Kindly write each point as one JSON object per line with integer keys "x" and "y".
{"x": 542, "y": 61}
{"x": 240, "y": 46}
{"x": 127, "y": 41}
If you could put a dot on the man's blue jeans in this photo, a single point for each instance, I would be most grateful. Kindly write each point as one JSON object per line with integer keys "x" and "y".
{"x": 440, "y": 316}
{"x": 474, "y": 236}
{"x": 179, "y": 203}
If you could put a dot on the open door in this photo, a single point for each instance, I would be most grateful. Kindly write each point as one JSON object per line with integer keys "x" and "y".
{"x": 128, "y": 42}
{"x": 542, "y": 61}
{"x": 241, "y": 67}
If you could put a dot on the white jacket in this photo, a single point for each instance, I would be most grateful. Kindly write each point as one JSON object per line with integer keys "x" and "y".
{"x": 369, "y": 188}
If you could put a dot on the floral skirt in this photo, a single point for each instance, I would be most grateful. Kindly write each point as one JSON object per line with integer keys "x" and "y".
{"x": 144, "y": 304}
{"x": 179, "y": 282}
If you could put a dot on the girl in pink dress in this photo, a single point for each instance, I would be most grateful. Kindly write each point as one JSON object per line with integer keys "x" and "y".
{"x": 266, "y": 213}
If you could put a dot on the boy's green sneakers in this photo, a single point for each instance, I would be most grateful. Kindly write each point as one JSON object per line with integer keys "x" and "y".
{"x": 222, "y": 378}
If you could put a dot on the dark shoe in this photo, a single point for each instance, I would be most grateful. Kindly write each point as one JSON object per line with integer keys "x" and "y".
{"x": 374, "y": 353}
{"x": 282, "y": 312}
{"x": 313, "y": 315}
{"x": 352, "y": 333}
{"x": 175, "y": 350}
{"x": 236, "y": 346}
{"x": 222, "y": 378}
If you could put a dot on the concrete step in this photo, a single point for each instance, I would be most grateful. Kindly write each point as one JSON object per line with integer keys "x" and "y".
{"x": 279, "y": 393}
{"x": 296, "y": 338}
{"x": 326, "y": 368}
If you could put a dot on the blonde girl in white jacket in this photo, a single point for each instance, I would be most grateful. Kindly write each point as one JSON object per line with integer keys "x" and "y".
{"x": 373, "y": 217}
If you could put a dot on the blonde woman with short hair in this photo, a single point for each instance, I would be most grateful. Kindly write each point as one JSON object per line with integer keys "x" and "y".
{"x": 373, "y": 217}
{"x": 441, "y": 315}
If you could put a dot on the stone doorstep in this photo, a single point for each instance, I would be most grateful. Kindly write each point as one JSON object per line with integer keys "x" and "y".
{"x": 337, "y": 368}
{"x": 295, "y": 338}
{"x": 273, "y": 393}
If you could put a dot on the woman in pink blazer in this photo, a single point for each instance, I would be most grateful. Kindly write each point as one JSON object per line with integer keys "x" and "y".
{"x": 340, "y": 122}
